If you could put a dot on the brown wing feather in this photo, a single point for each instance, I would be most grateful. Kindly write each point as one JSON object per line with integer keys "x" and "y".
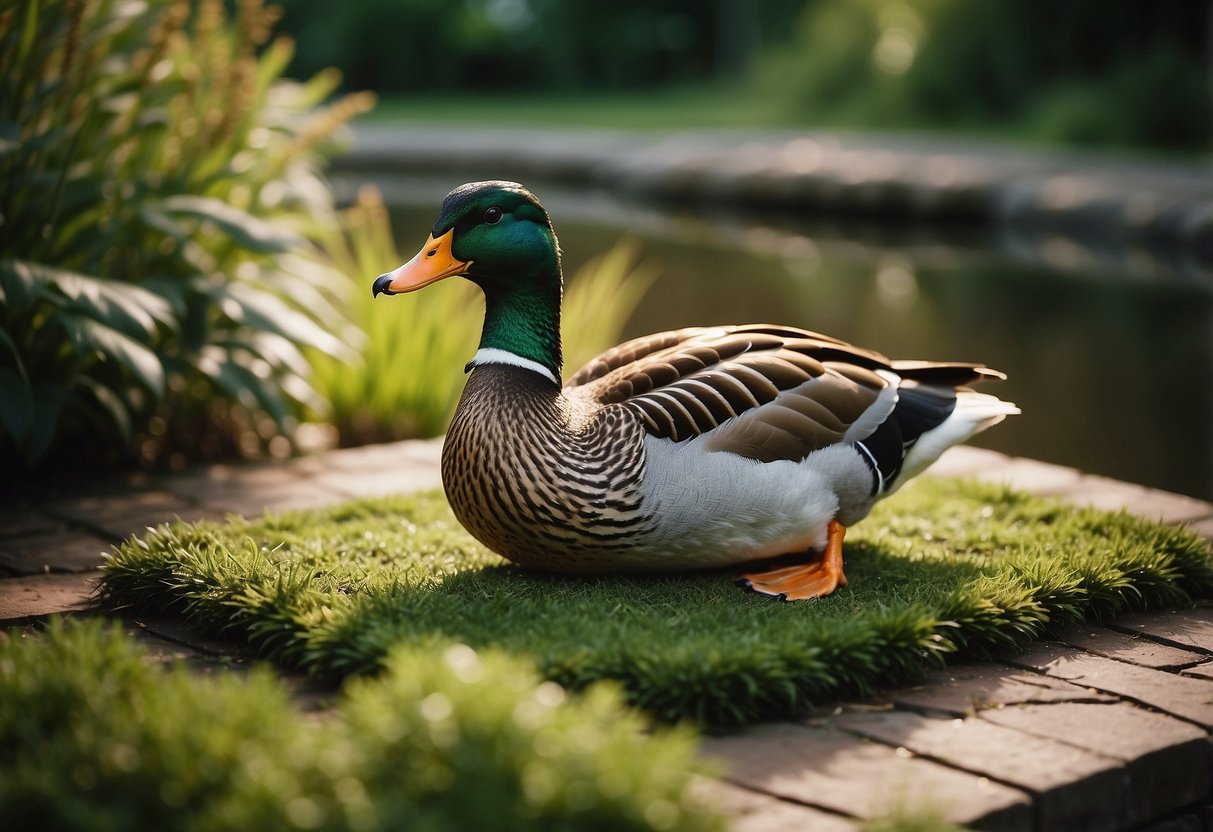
{"x": 761, "y": 391}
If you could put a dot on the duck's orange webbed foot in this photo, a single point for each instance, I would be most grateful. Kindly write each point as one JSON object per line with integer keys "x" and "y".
{"x": 815, "y": 579}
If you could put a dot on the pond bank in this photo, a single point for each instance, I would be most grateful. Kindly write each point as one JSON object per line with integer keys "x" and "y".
{"x": 1154, "y": 204}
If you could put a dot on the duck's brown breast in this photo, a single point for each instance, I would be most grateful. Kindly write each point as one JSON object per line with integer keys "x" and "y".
{"x": 541, "y": 479}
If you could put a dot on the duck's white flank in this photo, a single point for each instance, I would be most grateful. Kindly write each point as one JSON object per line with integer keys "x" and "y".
{"x": 720, "y": 508}
{"x": 491, "y": 355}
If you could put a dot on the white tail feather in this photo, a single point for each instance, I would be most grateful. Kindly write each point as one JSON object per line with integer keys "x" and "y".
{"x": 974, "y": 413}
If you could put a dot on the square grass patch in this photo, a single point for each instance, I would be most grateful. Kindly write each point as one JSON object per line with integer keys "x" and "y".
{"x": 943, "y": 569}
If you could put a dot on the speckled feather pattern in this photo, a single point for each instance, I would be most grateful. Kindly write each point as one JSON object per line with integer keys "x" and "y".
{"x": 541, "y": 479}
{"x": 695, "y": 448}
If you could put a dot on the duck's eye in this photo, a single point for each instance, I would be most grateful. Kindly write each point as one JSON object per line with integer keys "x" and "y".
{"x": 492, "y": 215}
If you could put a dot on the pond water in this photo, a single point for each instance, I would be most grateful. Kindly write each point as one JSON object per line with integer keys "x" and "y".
{"x": 1108, "y": 349}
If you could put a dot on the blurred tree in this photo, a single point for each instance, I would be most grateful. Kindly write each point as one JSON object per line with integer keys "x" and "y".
{"x": 1134, "y": 72}
{"x": 482, "y": 45}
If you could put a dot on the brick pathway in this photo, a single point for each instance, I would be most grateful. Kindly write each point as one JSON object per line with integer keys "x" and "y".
{"x": 1107, "y": 728}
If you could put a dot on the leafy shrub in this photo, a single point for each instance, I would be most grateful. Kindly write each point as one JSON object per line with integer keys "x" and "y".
{"x": 159, "y": 194}
{"x": 1129, "y": 73}
{"x": 411, "y": 373}
{"x": 93, "y": 737}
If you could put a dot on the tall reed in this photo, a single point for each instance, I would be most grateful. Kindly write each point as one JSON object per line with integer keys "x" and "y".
{"x": 159, "y": 205}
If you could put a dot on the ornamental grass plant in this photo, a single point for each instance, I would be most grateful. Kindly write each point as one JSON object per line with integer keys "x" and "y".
{"x": 159, "y": 207}
{"x": 411, "y": 371}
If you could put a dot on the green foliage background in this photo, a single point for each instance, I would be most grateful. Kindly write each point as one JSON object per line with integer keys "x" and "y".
{"x": 159, "y": 196}
{"x": 1132, "y": 73}
{"x": 175, "y": 279}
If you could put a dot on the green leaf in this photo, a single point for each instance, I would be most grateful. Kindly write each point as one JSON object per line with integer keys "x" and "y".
{"x": 30, "y": 32}
{"x": 119, "y": 305}
{"x": 246, "y": 230}
{"x": 112, "y": 404}
{"x": 48, "y": 407}
{"x": 274, "y": 348}
{"x": 19, "y": 285}
{"x": 10, "y": 137}
{"x": 162, "y": 222}
{"x": 196, "y": 327}
{"x": 16, "y": 404}
{"x": 136, "y": 358}
{"x": 122, "y": 306}
{"x": 266, "y": 312}
{"x": 242, "y": 384}
{"x": 10, "y": 345}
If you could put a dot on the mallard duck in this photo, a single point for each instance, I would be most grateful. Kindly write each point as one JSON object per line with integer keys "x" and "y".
{"x": 693, "y": 449}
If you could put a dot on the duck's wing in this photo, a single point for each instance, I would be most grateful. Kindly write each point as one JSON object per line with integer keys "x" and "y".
{"x": 764, "y": 392}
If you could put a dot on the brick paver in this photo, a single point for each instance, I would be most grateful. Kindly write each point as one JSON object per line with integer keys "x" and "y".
{"x": 1106, "y": 730}
{"x": 118, "y": 515}
{"x": 1073, "y": 788}
{"x": 1191, "y": 629}
{"x": 41, "y": 595}
{"x": 1165, "y": 761}
{"x": 1182, "y": 696}
{"x": 1128, "y": 646}
{"x": 833, "y": 770}
{"x": 966, "y": 689}
{"x": 756, "y": 812}
{"x": 59, "y": 551}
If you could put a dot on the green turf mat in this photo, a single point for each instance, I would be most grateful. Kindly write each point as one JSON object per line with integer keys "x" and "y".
{"x": 943, "y": 568}
{"x": 92, "y": 737}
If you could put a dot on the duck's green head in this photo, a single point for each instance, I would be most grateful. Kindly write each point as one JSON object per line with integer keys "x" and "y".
{"x": 497, "y": 235}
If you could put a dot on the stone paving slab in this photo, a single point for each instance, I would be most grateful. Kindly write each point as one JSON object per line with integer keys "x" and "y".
{"x": 1190, "y": 629}
{"x": 1148, "y": 503}
{"x": 171, "y": 641}
{"x": 118, "y": 515}
{"x": 830, "y": 769}
{"x": 253, "y": 502}
{"x": 405, "y": 478}
{"x": 756, "y": 812}
{"x": 967, "y": 461}
{"x": 1204, "y": 528}
{"x": 21, "y": 520}
{"x": 966, "y": 689}
{"x": 385, "y": 457}
{"x": 1072, "y": 788}
{"x": 41, "y": 595}
{"x": 59, "y": 551}
{"x": 1182, "y": 696}
{"x": 1033, "y": 476}
{"x": 1126, "y": 645}
{"x": 1166, "y": 762}
{"x": 180, "y": 632}
{"x": 1200, "y": 671}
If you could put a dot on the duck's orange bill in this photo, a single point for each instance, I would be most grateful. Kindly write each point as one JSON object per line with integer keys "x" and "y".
{"x": 434, "y": 262}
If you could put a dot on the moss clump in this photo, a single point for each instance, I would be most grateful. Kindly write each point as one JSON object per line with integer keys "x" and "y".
{"x": 93, "y": 737}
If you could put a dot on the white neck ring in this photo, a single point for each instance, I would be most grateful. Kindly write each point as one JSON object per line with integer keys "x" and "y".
{"x": 492, "y": 355}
